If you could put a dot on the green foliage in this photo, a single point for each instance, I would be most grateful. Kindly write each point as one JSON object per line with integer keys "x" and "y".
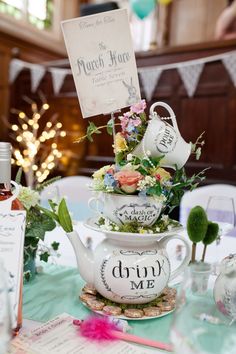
{"x": 19, "y": 176}
{"x": 37, "y": 224}
{"x": 92, "y": 129}
{"x": 181, "y": 183}
{"x": 197, "y": 224}
{"x": 110, "y": 125}
{"x": 161, "y": 225}
{"x": 44, "y": 256}
{"x": 55, "y": 245}
{"x": 64, "y": 216}
{"x": 60, "y": 214}
{"x": 211, "y": 234}
{"x": 48, "y": 182}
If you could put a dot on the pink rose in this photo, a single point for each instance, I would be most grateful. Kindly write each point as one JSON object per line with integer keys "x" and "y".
{"x": 128, "y": 180}
{"x": 138, "y": 107}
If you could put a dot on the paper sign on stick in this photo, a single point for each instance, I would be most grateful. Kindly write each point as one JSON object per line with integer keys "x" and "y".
{"x": 102, "y": 60}
{"x": 12, "y": 234}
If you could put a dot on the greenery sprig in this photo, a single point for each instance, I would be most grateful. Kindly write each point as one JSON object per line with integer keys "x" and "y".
{"x": 59, "y": 213}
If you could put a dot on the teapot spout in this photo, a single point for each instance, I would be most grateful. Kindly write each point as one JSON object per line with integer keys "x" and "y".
{"x": 84, "y": 257}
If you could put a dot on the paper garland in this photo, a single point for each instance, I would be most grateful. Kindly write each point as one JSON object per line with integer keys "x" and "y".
{"x": 189, "y": 71}
{"x": 190, "y": 75}
{"x": 230, "y": 65}
{"x": 150, "y": 80}
{"x": 58, "y": 77}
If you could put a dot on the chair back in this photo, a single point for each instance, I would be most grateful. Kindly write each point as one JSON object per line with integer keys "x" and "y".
{"x": 73, "y": 188}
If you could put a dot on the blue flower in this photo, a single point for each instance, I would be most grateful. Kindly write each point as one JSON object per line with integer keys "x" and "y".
{"x": 143, "y": 193}
{"x": 109, "y": 180}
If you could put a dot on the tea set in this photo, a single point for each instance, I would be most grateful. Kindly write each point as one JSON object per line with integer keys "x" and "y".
{"x": 127, "y": 267}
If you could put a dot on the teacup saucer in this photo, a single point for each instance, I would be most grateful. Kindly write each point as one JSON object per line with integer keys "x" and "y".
{"x": 92, "y": 223}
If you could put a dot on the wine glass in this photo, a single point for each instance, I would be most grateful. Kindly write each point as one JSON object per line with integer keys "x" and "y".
{"x": 5, "y": 322}
{"x": 198, "y": 327}
{"x": 221, "y": 210}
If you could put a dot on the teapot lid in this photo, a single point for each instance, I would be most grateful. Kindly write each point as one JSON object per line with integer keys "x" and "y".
{"x": 228, "y": 264}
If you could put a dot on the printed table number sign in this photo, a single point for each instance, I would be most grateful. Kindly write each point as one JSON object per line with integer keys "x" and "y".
{"x": 12, "y": 234}
{"x": 102, "y": 60}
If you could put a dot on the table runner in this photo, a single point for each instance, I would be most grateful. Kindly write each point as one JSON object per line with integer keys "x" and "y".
{"x": 56, "y": 290}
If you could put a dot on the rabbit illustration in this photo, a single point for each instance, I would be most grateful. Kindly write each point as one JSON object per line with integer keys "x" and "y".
{"x": 133, "y": 97}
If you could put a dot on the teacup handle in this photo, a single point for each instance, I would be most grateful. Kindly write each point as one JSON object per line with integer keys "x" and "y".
{"x": 168, "y": 108}
{"x": 93, "y": 204}
{"x": 163, "y": 243}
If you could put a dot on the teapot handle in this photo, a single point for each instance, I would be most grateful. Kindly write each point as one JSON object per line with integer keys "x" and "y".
{"x": 168, "y": 108}
{"x": 163, "y": 243}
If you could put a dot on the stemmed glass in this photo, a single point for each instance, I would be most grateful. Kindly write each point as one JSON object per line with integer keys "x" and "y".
{"x": 198, "y": 327}
{"x": 222, "y": 211}
{"x": 5, "y": 322}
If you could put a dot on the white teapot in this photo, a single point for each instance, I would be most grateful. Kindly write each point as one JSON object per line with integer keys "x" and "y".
{"x": 128, "y": 268}
{"x": 163, "y": 139}
{"x": 225, "y": 287}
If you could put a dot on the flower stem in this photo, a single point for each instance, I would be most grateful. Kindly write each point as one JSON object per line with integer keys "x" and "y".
{"x": 79, "y": 140}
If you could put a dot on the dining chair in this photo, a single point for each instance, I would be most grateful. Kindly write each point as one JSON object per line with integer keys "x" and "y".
{"x": 73, "y": 188}
{"x": 200, "y": 196}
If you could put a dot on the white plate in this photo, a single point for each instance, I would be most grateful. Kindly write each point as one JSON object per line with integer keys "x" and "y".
{"x": 91, "y": 223}
{"x": 123, "y": 317}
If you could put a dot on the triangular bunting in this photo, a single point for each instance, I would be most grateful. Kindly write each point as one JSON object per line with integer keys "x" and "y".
{"x": 230, "y": 65}
{"x": 58, "y": 77}
{"x": 150, "y": 78}
{"x": 37, "y": 72}
{"x": 16, "y": 66}
{"x": 190, "y": 75}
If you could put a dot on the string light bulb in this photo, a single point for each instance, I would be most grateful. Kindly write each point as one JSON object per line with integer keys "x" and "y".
{"x": 36, "y": 157}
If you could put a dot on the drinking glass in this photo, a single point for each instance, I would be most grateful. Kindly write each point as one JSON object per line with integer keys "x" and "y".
{"x": 222, "y": 211}
{"x": 198, "y": 327}
{"x": 5, "y": 322}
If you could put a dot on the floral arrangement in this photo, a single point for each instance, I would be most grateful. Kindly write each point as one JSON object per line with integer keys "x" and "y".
{"x": 133, "y": 125}
{"x": 37, "y": 224}
{"x": 164, "y": 224}
{"x": 142, "y": 176}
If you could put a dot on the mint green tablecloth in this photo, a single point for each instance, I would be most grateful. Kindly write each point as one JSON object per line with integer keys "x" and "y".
{"x": 56, "y": 290}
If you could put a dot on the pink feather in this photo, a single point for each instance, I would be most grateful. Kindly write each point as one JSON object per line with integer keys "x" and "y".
{"x": 98, "y": 328}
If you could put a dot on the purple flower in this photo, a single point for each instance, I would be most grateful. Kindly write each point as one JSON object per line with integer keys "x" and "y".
{"x": 138, "y": 107}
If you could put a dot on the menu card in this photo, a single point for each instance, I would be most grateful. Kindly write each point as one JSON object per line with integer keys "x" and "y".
{"x": 62, "y": 337}
{"x": 102, "y": 60}
{"x": 12, "y": 235}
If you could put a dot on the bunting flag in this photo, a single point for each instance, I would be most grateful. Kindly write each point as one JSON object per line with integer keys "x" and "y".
{"x": 230, "y": 65}
{"x": 58, "y": 77}
{"x": 37, "y": 72}
{"x": 16, "y": 66}
{"x": 189, "y": 71}
{"x": 150, "y": 78}
{"x": 190, "y": 75}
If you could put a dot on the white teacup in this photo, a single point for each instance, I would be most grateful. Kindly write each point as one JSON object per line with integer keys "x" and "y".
{"x": 163, "y": 139}
{"x": 124, "y": 209}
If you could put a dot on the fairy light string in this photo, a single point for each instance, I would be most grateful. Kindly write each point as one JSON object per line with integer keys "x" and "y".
{"x": 36, "y": 157}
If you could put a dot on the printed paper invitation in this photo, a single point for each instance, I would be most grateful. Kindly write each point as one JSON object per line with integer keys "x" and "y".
{"x": 12, "y": 234}
{"x": 102, "y": 60}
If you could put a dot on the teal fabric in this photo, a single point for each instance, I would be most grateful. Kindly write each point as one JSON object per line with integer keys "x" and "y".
{"x": 57, "y": 290}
